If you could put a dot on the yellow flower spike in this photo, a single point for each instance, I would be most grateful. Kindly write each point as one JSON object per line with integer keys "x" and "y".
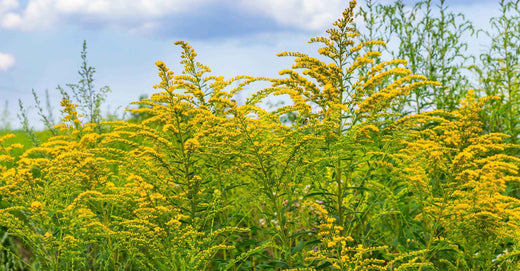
{"x": 36, "y": 205}
{"x": 159, "y": 63}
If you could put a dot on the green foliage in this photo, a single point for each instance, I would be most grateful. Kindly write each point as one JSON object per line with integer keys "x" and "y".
{"x": 84, "y": 92}
{"x": 24, "y": 120}
{"x": 46, "y": 118}
{"x": 431, "y": 39}
{"x": 4, "y": 118}
{"x": 498, "y": 71}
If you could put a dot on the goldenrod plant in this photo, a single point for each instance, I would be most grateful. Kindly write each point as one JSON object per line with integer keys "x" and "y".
{"x": 199, "y": 182}
{"x": 352, "y": 120}
{"x": 460, "y": 193}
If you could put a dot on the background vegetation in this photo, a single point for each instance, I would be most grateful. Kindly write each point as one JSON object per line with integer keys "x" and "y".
{"x": 403, "y": 164}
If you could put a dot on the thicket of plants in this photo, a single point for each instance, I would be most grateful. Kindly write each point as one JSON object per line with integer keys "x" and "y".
{"x": 374, "y": 165}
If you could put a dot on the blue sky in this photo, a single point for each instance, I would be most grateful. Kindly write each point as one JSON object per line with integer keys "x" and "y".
{"x": 40, "y": 40}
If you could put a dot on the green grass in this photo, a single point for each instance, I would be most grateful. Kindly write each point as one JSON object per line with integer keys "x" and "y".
{"x": 22, "y": 138}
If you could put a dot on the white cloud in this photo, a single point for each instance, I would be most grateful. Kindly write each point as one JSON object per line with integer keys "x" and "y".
{"x": 40, "y": 14}
{"x": 140, "y": 16}
{"x": 119, "y": 8}
{"x": 145, "y": 28}
{"x": 307, "y": 14}
{"x": 10, "y": 20}
{"x": 37, "y": 14}
{"x": 6, "y": 61}
{"x": 6, "y": 5}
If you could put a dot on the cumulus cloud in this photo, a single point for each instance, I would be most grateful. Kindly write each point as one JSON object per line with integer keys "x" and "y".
{"x": 6, "y": 61}
{"x": 123, "y": 8}
{"x": 143, "y": 17}
{"x": 40, "y": 14}
{"x": 6, "y": 5}
{"x": 140, "y": 15}
{"x": 305, "y": 14}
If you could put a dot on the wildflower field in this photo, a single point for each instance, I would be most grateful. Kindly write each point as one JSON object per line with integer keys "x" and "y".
{"x": 375, "y": 164}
